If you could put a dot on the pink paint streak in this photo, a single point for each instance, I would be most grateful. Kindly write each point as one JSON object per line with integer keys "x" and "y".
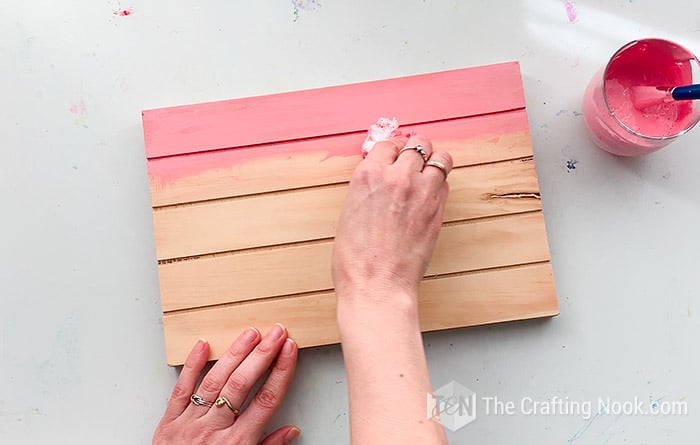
{"x": 168, "y": 170}
{"x": 171, "y": 169}
{"x": 571, "y": 11}
{"x": 123, "y": 12}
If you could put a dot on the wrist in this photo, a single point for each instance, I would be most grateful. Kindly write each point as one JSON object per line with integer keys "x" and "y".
{"x": 377, "y": 310}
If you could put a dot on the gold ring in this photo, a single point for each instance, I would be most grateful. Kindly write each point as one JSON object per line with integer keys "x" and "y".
{"x": 439, "y": 165}
{"x": 418, "y": 148}
{"x": 221, "y": 401}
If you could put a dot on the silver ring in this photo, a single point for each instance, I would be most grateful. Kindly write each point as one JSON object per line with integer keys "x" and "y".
{"x": 419, "y": 148}
{"x": 439, "y": 165}
{"x": 197, "y": 400}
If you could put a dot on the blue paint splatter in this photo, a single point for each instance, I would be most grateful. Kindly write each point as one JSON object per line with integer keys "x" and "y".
{"x": 654, "y": 404}
{"x": 304, "y": 5}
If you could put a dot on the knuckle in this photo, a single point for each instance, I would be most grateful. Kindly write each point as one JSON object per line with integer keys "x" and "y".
{"x": 445, "y": 158}
{"x": 283, "y": 364}
{"x": 397, "y": 181}
{"x": 266, "y": 398}
{"x": 400, "y": 188}
{"x": 449, "y": 161}
{"x": 234, "y": 354}
{"x": 161, "y": 437}
{"x": 180, "y": 391}
{"x": 267, "y": 347}
{"x": 211, "y": 385}
{"x": 188, "y": 365}
{"x": 206, "y": 435}
{"x": 264, "y": 347}
{"x": 374, "y": 168}
{"x": 364, "y": 173}
{"x": 237, "y": 383}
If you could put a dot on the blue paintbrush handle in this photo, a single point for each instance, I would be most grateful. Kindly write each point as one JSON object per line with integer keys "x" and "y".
{"x": 686, "y": 92}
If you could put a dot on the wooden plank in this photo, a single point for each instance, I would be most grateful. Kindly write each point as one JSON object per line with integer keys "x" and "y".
{"x": 465, "y": 300}
{"x": 503, "y": 241}
{"x": 333, "y": 110}
{"x": 331, "y": 159}
{"x": 245, "y": 208}
{"x": 309, "y": 214}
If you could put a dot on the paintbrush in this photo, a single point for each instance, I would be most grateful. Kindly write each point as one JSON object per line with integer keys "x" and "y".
{"x": 647, "y": 96}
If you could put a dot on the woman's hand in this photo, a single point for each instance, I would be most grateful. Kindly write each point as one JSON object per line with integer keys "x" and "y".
{"x": 232, "y": 379}
{"x": 384, "y": 241}
{"x": 390, "y": 221}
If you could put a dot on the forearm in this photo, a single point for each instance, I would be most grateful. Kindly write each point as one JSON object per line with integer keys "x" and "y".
{"x": 388, "y": 379}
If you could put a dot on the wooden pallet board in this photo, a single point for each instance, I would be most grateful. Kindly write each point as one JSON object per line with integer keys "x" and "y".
{"x": 245, "y": 211}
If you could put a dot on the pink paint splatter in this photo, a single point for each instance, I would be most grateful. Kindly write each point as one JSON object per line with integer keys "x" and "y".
{"x": 123, "y": 12}
{"x": 571, "y": 10}
{"x": 78, "y": 108}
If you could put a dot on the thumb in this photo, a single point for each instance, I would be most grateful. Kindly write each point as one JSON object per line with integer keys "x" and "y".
{"x": 282, "y": 436}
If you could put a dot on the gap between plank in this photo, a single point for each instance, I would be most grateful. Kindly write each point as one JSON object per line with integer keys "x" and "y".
{"x": 329, "y": 185}
{"x": 344, "y": 133}
{"x": 325, "y": 291}
{"x": 226, "y": 253}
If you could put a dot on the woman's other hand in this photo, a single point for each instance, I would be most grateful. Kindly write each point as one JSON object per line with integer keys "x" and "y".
{"x": 215, "y": 418}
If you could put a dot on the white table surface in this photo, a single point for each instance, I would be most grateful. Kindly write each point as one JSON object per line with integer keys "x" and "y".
{"x": 81, "y": 348}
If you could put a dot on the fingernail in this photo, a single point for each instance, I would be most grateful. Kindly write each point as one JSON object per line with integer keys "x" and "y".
{"x": 288, "y": 347}
{"x": 278, "y": 331}
{"x": 292, "y": 434}
{"x": 201, "y": 343}
{"x": 250, "y": 335}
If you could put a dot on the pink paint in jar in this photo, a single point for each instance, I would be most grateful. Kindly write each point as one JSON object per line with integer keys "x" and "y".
{"x": 613, "y": 121}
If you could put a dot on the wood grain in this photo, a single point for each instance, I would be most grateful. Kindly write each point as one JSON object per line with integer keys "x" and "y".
{"x": 220, "y": 279}
{"x": 465, "y": 300}
{"x": 303, "y": 215}
{"x": 246, "y": 195}
{"x": 332, "y": 110}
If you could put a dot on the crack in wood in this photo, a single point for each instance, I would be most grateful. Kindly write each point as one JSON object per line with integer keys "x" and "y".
{"x": 514, "y": 196}
{"x": 178, "y": 260}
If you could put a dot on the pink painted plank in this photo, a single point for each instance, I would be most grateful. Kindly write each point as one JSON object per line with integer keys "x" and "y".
{"x": 231, "y": 172}
{"x": 332, "y": 110}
